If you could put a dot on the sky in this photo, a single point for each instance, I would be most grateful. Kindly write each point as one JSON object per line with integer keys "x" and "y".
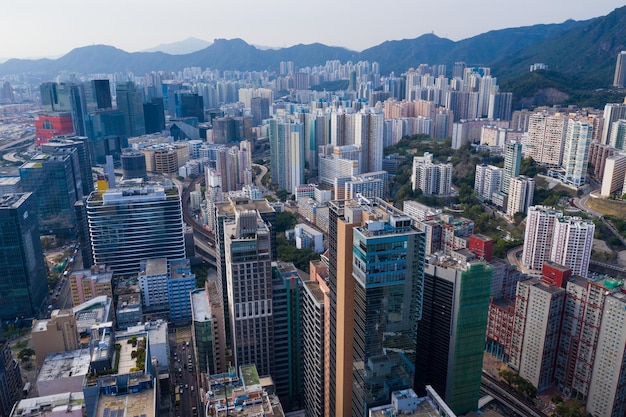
{"x": 45, "y": 28}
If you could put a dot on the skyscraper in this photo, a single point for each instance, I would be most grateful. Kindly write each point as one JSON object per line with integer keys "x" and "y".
{"x": 248, "y": 254}
{"x": 521, "y": 191}
{"x": 539, "y": 235}
{"x": 287, "y": 154}
{"x": 81, "y": 144}
{"x": 612, "y": 113}
{"x": 545, "y": 138}
{"x": 487, "y": 181}
{"x": 451, "y": 331}
{"x": 512, "y": 164}
{"x": 260, "y": 109}
{"x": 375, "y": 306}
{"x": 129, "y": 224}
{"x": 23, "y": 284}
{"x": 550, "y": 236}
{"x": 130, "y": 102}
{"x": 576, "y": 153}
{"x": 368, "y": 134}
{"x": 619, "y": 80}
{"x": 55, "y": 181}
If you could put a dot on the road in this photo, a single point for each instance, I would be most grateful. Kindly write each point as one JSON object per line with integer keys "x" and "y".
{"x": 183, "y": 374}
{"x": 506, "y": 395}
{"x": 258, "y": 180}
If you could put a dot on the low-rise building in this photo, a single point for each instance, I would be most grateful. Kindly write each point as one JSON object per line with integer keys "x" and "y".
{"x": 63, "y": 372}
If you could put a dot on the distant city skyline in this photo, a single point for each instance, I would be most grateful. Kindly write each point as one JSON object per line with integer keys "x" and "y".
{"x": 39, "y": 28}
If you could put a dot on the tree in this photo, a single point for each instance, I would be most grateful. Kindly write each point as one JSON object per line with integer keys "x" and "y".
{"x": 25, "y": 354}
{"x": 285, "y": 221}
{"x": 281, "y": 194}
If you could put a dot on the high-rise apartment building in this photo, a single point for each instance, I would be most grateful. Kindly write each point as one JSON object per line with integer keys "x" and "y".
{"x": 129, "y": 224}
{"x": 23, "y": 285}
{"x": 512, "y": 164}
{"x": 614, "y": 175}
{"x": 571, "y": 247}
{"x": 260, "y": 109}
{"x": 487, "y": 180}
{"x": 521, "y": 189}
{"x": 619, "y": 80}
{"x": 618, "y": 135}
{"x": 451, "y": 331}
{"x": 550, "y": 236}
{"x": 368, "y": 134}
{"x": 576, "y": 152}
{"x": 612, "y": 113}
{"x": 432, "y": 179}
{"x": 539, "y": 235}
{"x": 315, "y": 321}
{"x": 537, "y": 320}
{"x": 287, "y": 154}
{"x": 248, "y": 257}
{"x": 287, "y": 293}
{"x": 545, "y": 138}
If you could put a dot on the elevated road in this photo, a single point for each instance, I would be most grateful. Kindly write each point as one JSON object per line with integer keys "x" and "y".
{"x": 509, "y": 397}
{"x": 204, "y": 240}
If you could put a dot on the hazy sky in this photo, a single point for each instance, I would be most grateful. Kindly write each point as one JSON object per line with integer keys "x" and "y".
{"x": 35, "y": 28}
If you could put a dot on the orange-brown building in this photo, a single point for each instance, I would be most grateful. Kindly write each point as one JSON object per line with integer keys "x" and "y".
{"x": 49, "y": 125}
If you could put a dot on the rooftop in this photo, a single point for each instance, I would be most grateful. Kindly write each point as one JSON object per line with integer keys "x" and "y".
{"x": 65, "y": 365}
{"x": 70, "y": 404}
{"x": 135, "y": 404}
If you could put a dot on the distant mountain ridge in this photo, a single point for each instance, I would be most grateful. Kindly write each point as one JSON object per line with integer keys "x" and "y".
{"x": 586, "y": 47}
{"x": 185, "y": 46}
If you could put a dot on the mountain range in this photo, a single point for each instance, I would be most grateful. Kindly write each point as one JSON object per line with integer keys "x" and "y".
{"x": 587, "y": 49}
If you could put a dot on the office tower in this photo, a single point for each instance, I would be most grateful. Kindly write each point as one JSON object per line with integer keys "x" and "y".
{"x": 315, "y": 341}
{"x": 55, "y": 181}
{"x": 451, "y": 331}
{"x": 619, "y": 80}
{"x": 287, "y": 293}
{"x": 487, "y": 181}
{"x": 133, "y": 164}
{"x": 287, "y": 154}
{"x": 368, "y": 134}
{"x": 154, "y": 115}
{"x": 226, "y": 167}
{"x": 521, "y": 191}
{"x": 129, "y": 224}
{"x": 545, "y": 138}
{"x": 576, "y": 152}
{"x": 248, "y": 255}
{"x": 432, "y": 179}
{"x": 129, "y": 101}
{"x": 169, "y": 90}
{"x": 189, "y": 105}
{"x": 618, "y": 135}
{"x": 10, "y": 380}
{"x": 260, "y": 110}
{"x": 97, "y": 95}
{"x": 571, "y": 247}
{"x": 207, "y": 329}
{"x": 512, "y": 164}
{"x": 23, "y": 285}
{"x": 51, "y": 124}
{"x": 81, "y": 144}
{"x": 379, "y": 298}
{"x": 539, "y": 235}
{"x": 612, "y": 113}
{"x": 65, "y": 97}
{"x": 614, "y": 174}
{"x": 500, "y": 106}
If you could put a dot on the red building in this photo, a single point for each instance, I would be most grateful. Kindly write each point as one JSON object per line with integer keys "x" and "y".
{"x": 555, "y": 274}
{"x": 482, "y": 246}
{"x": 49, "y": 125}
{"x": 500, "y": 328}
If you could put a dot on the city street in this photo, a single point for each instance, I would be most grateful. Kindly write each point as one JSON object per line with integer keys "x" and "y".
{"x": 183, "y": 374}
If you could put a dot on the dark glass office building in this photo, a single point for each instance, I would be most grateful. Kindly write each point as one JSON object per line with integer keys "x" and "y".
{"x": 23, "y": 283}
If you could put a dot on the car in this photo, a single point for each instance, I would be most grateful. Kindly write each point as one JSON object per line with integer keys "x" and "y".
{"x": 186, "y": 385}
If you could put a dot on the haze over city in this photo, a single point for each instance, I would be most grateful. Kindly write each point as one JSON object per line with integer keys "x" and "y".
{"x": 40, "y": 28}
